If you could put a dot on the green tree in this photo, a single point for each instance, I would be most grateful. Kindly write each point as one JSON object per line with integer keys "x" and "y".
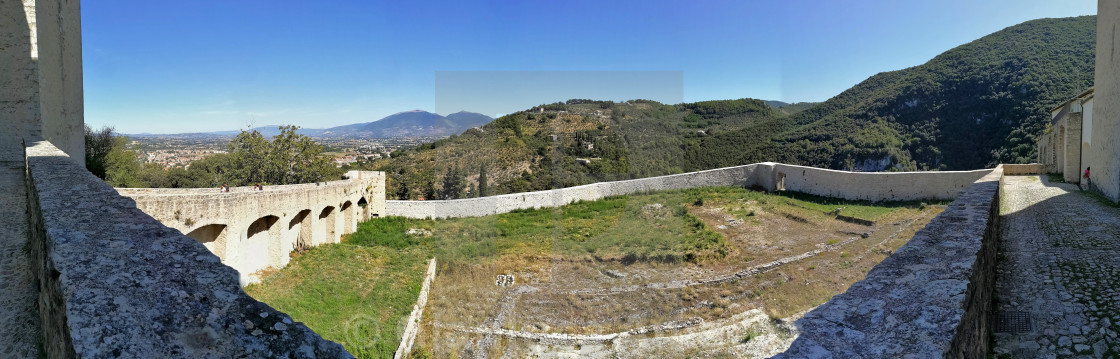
{"x": 403, "y": 192}
{"x": 98, "y": 145}
{"x": 289, "y": 158}
{"x": 211, "y": 171}
{"x": 300, "y": 159}
{"x": 122, "y": 167}
{"x": 427, "y": 185}
{"x": 483, "y": 185}
{"x": 454, "y": 184}
{"x": 250, "y": 156}
{"x": 108, "y": 157}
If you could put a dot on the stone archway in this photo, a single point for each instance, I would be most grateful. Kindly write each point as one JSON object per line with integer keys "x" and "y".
{"x": 302, "y": 236}
{"x": 260, "y": 248}
{"x": 213, "y": 236}
{"x": 363, "y": 204}
{"x": 330, "y": 225}
{"x": 348, "y": 223}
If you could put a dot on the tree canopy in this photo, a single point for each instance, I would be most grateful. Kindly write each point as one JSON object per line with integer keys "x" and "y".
{"x": 289, "y": 158}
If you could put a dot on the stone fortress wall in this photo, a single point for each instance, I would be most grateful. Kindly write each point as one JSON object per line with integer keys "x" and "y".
{"x": 930, "y": 299}
{"x": 112, "y": 281}
{"x": 1102, "y": 157}
{"x": 877, "y": 186}
{"x": 252, "y": 230}
{"x": 41, "y": 86}
{"x": 115, "y": 282}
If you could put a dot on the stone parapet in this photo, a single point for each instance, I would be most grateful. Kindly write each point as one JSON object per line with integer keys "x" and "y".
{"x": 930, "y": 299}
{"x": 1023, "y": 170}
{"x": 114, "y": 282}
{"x": 871, "y": 186}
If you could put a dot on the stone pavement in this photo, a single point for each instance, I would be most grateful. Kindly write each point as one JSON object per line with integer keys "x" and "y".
{"x": 1059, "y": 263}
{"x": 19, "y": 321}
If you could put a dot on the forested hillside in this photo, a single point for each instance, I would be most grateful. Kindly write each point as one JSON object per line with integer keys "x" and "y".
{"x": 566, "y": 144}
{"x": 971, "y": 107}
{"x": 791, "y": 108}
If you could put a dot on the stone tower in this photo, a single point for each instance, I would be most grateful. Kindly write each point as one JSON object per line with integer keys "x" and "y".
{"x": 1105, "y": 152}
{"x": 41, "y": 75}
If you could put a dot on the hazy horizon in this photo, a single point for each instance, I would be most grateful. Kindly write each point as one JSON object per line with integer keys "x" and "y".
{"x": 150, "y": 67}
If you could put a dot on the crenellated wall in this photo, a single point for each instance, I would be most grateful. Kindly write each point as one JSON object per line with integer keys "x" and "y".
{"x": 252, "y": 230}
{"x": 114, "y": 282}
{"x": 872, "y": 186}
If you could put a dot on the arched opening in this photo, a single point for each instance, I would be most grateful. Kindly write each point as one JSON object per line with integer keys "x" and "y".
{"x": 364, "y": 205}
{"x": 303, "y": 235}
{"x": 780, "y": 184}
{"x": 330, "y": 227}
{"x": 213, "y": 236}
{"x": 348, "y": 224}
{"x": 261, "y": 247}
{"x": 260, "y": 225}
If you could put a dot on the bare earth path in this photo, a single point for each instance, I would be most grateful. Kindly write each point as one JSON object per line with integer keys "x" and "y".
{"x": 1060, "y": 265}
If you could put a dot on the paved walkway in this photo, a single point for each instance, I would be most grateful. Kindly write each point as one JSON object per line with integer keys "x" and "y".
{"x": 1059, "y": 264}
{"x": 19, "y": 321}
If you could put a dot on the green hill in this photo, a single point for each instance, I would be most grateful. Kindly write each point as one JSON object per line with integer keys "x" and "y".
{"x": 567, "y": 144}
{"x": 791, "y": 108}
{"x": 971, "y": 107}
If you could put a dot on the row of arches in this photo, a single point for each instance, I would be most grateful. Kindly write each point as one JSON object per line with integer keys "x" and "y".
{"x": 268, "y": 240}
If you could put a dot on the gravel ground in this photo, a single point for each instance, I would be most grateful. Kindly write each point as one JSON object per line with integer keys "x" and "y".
{"x": 1059, "y": 264}
{"x": 19, "y": 322}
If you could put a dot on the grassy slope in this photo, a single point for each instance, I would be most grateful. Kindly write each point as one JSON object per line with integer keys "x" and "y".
{"x": 358, "y": 292}
{"x": 356, "y": 295}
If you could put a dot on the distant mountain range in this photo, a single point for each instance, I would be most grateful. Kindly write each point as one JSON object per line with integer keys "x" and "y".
{"x": 414, "y": 123}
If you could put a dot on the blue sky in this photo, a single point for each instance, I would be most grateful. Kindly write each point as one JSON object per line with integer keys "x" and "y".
{"x": 208, "y": 65}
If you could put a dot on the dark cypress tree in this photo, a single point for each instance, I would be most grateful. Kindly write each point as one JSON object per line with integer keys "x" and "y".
{"x": 483, "y": 185}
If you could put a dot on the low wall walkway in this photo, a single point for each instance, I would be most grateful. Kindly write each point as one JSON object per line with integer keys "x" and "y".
{"x": 871, "y": 186}
{"x": 930, "y": 299}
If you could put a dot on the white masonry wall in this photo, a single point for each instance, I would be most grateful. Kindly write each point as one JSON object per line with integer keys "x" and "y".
{"x": 877, "y": 186}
